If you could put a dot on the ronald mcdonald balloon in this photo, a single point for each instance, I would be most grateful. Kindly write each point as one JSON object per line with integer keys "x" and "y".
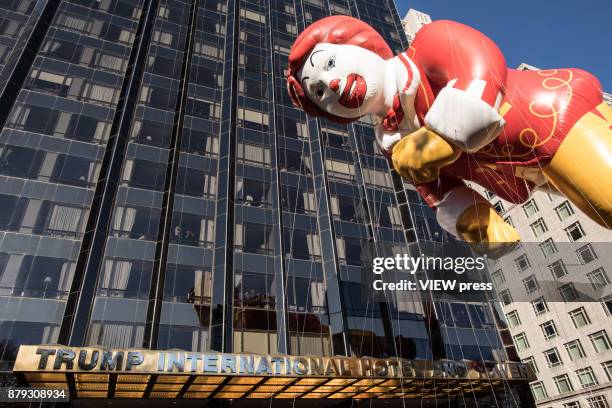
{"x": 449, "y": 111}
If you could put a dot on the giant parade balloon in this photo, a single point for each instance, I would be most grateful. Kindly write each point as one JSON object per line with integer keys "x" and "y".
{"x": 449, "y": 111}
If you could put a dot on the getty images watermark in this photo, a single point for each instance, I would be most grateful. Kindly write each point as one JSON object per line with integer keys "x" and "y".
{"x": 382, "y": 266}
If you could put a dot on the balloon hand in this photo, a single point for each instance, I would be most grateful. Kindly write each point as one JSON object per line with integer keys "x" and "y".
{"x": 419, "y": 156}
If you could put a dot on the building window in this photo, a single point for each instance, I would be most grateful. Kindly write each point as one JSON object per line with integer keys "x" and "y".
{"x": 538, "y": 227}
{"x": 538, "y": 391}
{"x": 558, "y": 269}
{"x": 253, "y": 193}
{"x": 598, "y": 278}
{"x": 505, "y": 297}
{"x": 195, "y": 183}
{"x": 607, "y": 367}
{"x": 254, "y": 154}
{"x": 299, "y": 201}
{"x": 575, "y": 232}
{"x": 563, "y": 384}
{"x": 530, "y": 361}
{"x": 498, "y": 277}
{"x": 254, "y": 238}
{"x": 574, "y": 350}
{"x": 548, "y": 247}
{"x": 20, "y": 161}
{"x": 144, "y": 174}
{"x": 552, "y": 357}
{"x": 192, "y": 229}
{"x": 572, "y": 404}
{"x": 586, "y": 376}
{"x": 521, "y": 342}
{"x": 531, "y": 284}
{"x": 508, "y": 220}
{"x": 586, "y": 254}
{"x": 568, "y": 292}
{"x": 598, "y": 401}
{"x": 579, "y": 317}
{"x": 600, "y": 341}
{"x": 499, "y": 207}
{"x": 606, "y": 303}
{"x": 301, "y": 244}
{"x": 513, "y": 318}
{"x": 549, "y": 329}
{"x": 564, "y": 210}
{"x": 539, "y": 306}
{"x": 530, "y": 208}
{"x": 522, "y": 263}
{"x": 349, "y": 250}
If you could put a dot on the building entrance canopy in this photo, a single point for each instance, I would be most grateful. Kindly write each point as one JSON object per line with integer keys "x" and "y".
{"x": 117, "y": 373}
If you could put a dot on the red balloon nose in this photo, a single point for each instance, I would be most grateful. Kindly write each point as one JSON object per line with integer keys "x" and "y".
{"x": 334, "y": 84}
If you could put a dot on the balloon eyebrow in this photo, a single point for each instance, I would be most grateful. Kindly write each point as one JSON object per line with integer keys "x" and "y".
{"x": 304, "y": 79}
{"x": 311, "y": 55}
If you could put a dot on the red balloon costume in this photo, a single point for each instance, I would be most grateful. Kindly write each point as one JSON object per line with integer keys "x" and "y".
{"x": 506, "y": 125}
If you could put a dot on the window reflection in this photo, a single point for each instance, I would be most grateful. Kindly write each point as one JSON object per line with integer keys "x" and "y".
{"x": 187, "y": 284}
{"x": 254, "y": 238}
{"x": 306, "y": 295}
{"x": 77, "y": 171}
{"x": 253, "y": 290}
{"x": 253, "y": 193}
{"x": 301, "y": 244}
{"x": 197, "y": 142}
{"x": 144, "y": 174}
{"x": 349, "y": 250}
{"x": 125, "y": 278}
{"x": 13, "y": 209}
{"x": 348, "y": 208}
{"x": 182, "y": 337}
{"x": 297, "y": 201}
{"x": 292, "y": 161}
{"x": 136, "y": 222}
{"x": 152, "y": 133}
{"x": 115, "y": 334}
{"x": 196, "y": 183}
{"x": 192, "y": 229}
{"x": 36, "y": 276}
{"x": 20, "y": 161}
{"x": 15, "y": 333}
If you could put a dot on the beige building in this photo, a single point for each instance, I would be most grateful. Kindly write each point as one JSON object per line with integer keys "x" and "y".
{"x": 413, "y": 21}
{"x": 555, "y": 292}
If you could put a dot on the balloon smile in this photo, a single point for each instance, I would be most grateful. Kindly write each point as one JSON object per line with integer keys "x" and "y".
{"x": 354, "y": 91}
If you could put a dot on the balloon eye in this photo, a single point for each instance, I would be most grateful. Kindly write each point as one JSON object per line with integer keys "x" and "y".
{"x": 330, "y": 63}
{"x": 320, "y": 92}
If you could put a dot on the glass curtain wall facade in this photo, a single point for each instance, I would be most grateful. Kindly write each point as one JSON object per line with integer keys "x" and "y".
{"x": 159, "y": 190}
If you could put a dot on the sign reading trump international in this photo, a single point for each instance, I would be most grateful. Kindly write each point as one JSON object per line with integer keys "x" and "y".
{"x": 51, "y": 358}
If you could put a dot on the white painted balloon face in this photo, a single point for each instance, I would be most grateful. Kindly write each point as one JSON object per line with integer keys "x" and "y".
{"x": 344, "y": 80}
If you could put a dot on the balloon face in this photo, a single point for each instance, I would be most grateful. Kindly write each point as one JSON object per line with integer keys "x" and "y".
{"x": 344, "y": 80}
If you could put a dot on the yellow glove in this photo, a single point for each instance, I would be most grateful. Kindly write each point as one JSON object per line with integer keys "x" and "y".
{"x": 419, "y": 156}
{"x": 481, "y": 225}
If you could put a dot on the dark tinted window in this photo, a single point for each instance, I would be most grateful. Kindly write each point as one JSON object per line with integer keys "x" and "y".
{"x": 20, "y": 161}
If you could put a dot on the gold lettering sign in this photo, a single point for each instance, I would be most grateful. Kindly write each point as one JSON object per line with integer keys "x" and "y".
{"x": 47, "y": 358}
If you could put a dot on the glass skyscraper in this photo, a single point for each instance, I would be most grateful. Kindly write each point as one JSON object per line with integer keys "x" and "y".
{"x": 158, "y": 190}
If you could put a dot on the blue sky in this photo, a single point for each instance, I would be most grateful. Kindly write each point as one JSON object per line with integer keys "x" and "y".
{"x": 546, "y": 34}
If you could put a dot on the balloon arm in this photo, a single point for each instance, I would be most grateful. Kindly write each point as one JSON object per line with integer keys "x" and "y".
{"x": 386, "y": 139}
{"x": 470, "y": 71}
{"x": 454, "y": 204}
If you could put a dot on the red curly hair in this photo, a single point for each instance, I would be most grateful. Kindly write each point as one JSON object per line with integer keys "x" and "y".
{"x": 334, "y": 30}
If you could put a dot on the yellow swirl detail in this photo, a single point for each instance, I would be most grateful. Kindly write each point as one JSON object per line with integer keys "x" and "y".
{"x": 550, "y": 82}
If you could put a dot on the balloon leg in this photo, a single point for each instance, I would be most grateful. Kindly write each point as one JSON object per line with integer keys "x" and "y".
{"x": 581, "y": 168}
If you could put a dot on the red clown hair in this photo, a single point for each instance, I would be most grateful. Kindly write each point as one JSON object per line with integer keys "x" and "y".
{"x": 333, "y": 30}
